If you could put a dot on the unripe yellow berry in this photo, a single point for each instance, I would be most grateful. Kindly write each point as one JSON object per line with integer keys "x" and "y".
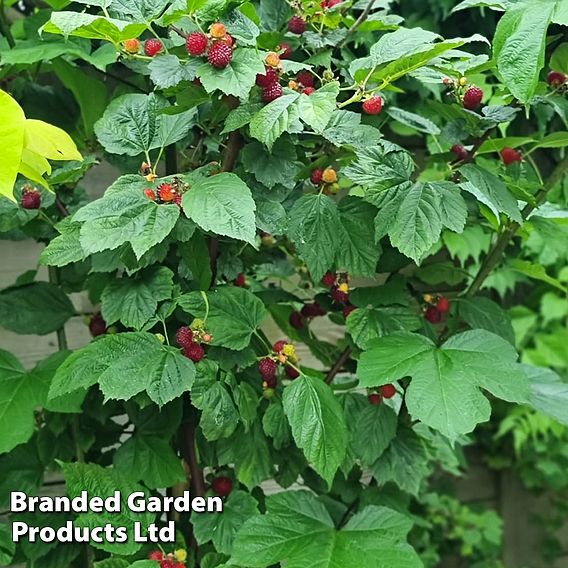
{"x": 272, "y": 60}
{"x": 132, "y": 46}
{"x": 343, "y": 287}
{"x": 463, "y": 81}
{"x": 329, "y": 175}
{"x": 218, "y": 30}
{"x": 181, "y": 555}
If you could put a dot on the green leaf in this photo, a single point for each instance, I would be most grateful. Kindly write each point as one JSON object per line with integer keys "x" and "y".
{"x": 445, "y": 389}
{"x": 536, "y": 271}
{"x": 237, "y": 78}
{"x": 275, "y": 118}
{"x": 549, "y": 393}
{"x": 124, "y": 365}
{"x": 241, "y": 116}
{"x": 414, "y": 121}
{"x": 149, "y": 459}
{"x": 133, "y": 301}
{"x": 316, "y": 110}
{"x": 195, "y": 255}
{"x": 345, "y": 129}
{"x": 243, "y": 29}
{"x": 222, "y": 528}
{"x": 65, "y": 248}
{"x": 222, "y": 204}
{"x": 168, "y": 71}
{"x": 7, "y": 545}
{"x": 317, "y": 423}
{"x": 483, "y": 313}
{"x": 313, "y": 222}
{"x": 234, "y": 314}
{"x": 138, "y": 10}
{"x": 298, "y": 531}
{"x": 377, "y": 423}
{"x": 276, "y": 425}
{"x": 20, "y": 394}
{"x": 491, "y": 191}
{"x": 220, "y": 416}
{"x": 38, "y": 308}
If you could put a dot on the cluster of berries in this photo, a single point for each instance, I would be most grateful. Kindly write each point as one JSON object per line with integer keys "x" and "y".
{"x": 557, "y": 80}
{"x": 31, "y": 198}
{"x": 339, "y": 291}
{"x": 470, "y": 96}
{"x": 222, "y": 485}
{"x": 191, "y": 338}
{"x": 386, "y": 391}
{"x": 171, "y": 560}
{"x": 304, "y": 83}
{"x": 436, "y": 308}
{"x": 168, "y": 192}
{"x": 269, "y": 82}
{"x": 308, "y": 311}
{"x": 218, "y": 45}
{"x": 327, "y": 177}
{"x": 284, "y": 353}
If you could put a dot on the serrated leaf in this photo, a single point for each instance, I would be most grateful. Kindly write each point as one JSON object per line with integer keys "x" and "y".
{"x": 549, "y": 393}
{"x": 345, "y": 129}
{"x": 168, "y": 71}
{"x": 445, "y": 389}
{"x": 219, "y": 416}
{"x": 276, "y": 425}
{"x": 317, "y": 424}
{"x": 222, "y": 204}
{"x": 412, "y": 120}
{"x": 65, "y": 248}
{"x": 377, "y": 423}
{"x": 483, "y": 313}
{"x": 316, "y": 110}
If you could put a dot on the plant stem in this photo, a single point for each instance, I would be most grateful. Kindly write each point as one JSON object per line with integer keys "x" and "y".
{"x": 5, "y": 26}
{"x": 495, "y": 254}
{"x": 364, "y": 15}
{"x": 338, "y": 365}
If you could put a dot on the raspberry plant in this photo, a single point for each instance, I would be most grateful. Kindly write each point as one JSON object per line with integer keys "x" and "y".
{"x": 284, "y": 161}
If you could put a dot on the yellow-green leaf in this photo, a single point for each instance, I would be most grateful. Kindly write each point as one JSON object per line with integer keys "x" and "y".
{"x": 12, "y": 121}
{"x": 49, "y": 141}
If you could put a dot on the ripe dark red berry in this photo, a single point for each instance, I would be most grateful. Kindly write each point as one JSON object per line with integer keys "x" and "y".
{"x": 297, "y": 25}
{"x": 472, "y": 98}
{"x": 156, "y": 555}
{"x": 433, "y": 314}
{"x": 222, "y": 486}
{"x": 267, "y": 368}
{"x": 31, "y": 199}
{"x": 373, "y": 105}
{"x": 556, "y": 79}
{"x": 375, "y": 399}
{"x": 220, "y": 55}
{"x": 291, "y": 373}
{"x": 329, "y": 278}
{"x": 240, "y": 280}
{"x": 152, "y": 47}
{"x": 388, "y": 391}
{"x": 443, "y": 305}
{"x": 184, "y": 336}
{"x": 339, "y": 296}
{"x": 297, "y": 320}
{"x": 313, "y": 310}
{"x": 279, "y": 345}
{"x": 194, "y": 351}
{"x": 97, "y": 325}
{"x": 460, "y": 152}
{"x": 269, "y": 78}
{"x": 272, "y": 92}
{"x": 510, "y": 156}
{"x": 286, "y": 51}
{"x": 348, "y": 310}
{"x": 306, "y": 79}
{"x": 196, "y": 43}
{"x": 316, "y": 178}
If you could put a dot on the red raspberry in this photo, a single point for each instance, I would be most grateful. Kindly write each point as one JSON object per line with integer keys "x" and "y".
{"x": 472, "y": 98}
{"x": 313, "y": 310}
{"x": 220, "y": 55}
{"x": 297, "y": 320}
{"x": 178, "y": 200}
{"x": 460, "y": 152}
{"x": 150, "y": 194}
{"x": 167, "y": 563}
{"x": 179, "y": 565}
{"x": 556, "y": 79}
{"x": 270, "y": 383}
{"x": 375, "y": 399}
{"x": 332, "y": 3}
{"x": 222, "y": 486}
{"x": 269, "y": 78}
{"x": 156, "y": 555}
{"x": 272, "y": 92}
{"x": 152, "y": 47}
{"x": 286, "y": 50}
{"x": 297, "y": 25}
{"x": 308, "y": 91}
{"x": 279, "y": 345}
{"x": 194, "y": 351}
{"x": 184, "y": 336}
{"x": 443, "y": 305}
{"x": 317, "y": 178}
{"x": 329, "y": 278}
{"x": 388, "y": 391}
{"x": 196, "y": 43}
{"x": 97, "y": 325}
{"x": 166, "y": 192}
{"x": 348, "y": 310}
{"x": 373, "y": 105}
{"x": 433, "y": 314}
{"x": 31, "y": 199}
{"x": 510, "y": 156}
{"x": 240, "y": 280}
{"x": 267, "y": 368}
{"x": 339, "y": 296}
{"x": 306, "y": 78}
{"x": 291, "y": 373}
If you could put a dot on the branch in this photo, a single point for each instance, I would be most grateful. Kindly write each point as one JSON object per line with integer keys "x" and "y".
{"x": 364, "y": 15}
{"x": 493, "y": 258}
{"x": 338, "y": 365}
{"x": 190, "y": 454}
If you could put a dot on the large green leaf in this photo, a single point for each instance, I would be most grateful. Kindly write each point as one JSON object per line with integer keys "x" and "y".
{"x": 65, "y": 248}
{"x": 279, "y": 166}
{"x": 12, "y": 123}
{"x": 445, "y": 389}
{"x": 124, "y": 365}
{"x": 373, "y": 431}
{"x": 219, "y": 417}
{"x": 222, "y": 204}
{"x": 316, "y": 110}
{"x": 234, "y": 314}
{"x": 38, "y": 308}
{"x": 298, "y": 531}
{"x": 483, "y": 313}
{"x": 317, "y": 423}
{"x": 549, "y": 393}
